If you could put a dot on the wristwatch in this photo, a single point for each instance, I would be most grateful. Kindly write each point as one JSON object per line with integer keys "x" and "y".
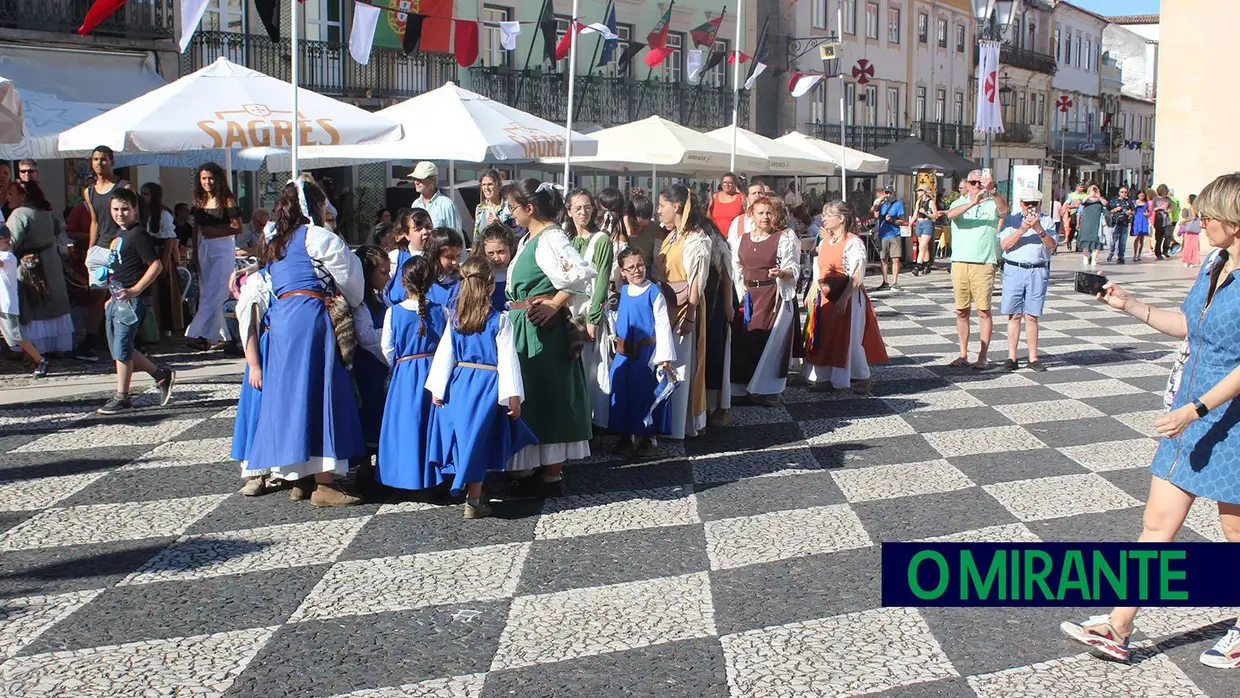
{"x": 1202, "y": 410}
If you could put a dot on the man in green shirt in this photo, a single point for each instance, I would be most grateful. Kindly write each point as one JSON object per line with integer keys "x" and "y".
{"x": 975, "y": 243}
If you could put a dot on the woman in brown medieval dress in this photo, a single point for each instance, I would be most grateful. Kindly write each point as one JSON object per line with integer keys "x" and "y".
{"x": 765, "y": 262}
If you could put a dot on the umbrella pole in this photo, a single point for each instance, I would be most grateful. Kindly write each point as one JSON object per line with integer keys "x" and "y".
{"x": 736, "y": 83}
{"x": 654, "y": 180}
{"x": 572, "y": 81}
{"x": 295, "y": 20}
{"x": 228, "y": 170}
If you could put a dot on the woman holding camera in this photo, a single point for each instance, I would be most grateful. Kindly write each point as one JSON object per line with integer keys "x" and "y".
{"x": 1199, "y": 455}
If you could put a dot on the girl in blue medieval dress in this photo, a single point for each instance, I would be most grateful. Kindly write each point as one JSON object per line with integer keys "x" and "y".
{"x": 476, "y": 379}
{"x": 308, "y": 427}
{"x": 444, "y": 247}
{"x": 412, "y": 330}
{"x": 370, "y": 367}
{"x": 645, "y": 347}
{"x": 413, "y": 228}
{"x": 253, "y": 305}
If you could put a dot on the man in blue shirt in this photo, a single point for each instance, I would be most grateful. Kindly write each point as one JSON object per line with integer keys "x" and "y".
{"x": 889, "y": 212}
{"x": 1028, "y": 238}
{"x": 443, "y": 212}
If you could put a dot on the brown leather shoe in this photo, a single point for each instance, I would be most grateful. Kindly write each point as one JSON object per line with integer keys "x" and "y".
{"x": 331, "y": 496}
{"x": 302, "y": 489}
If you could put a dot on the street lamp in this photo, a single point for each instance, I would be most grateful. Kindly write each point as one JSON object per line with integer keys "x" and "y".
{"x": 993, "y": 18}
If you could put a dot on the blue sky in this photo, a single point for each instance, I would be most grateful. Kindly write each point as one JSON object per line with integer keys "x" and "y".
{"x": 1119, "y": 7}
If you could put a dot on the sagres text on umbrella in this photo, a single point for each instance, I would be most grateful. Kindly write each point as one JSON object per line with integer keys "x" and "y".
{"x": 536, "y": 143}
{"x": 257, "y": 125}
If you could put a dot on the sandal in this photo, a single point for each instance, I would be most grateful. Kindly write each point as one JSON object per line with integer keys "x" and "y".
{"x": 980, "y": 365}
{"x": 960, "y": 362}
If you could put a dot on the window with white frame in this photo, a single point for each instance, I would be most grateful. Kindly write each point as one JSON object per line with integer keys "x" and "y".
{"x": 893, "y": 25}
{"x": 871, "y": 105}
{"x": 718, "y": 76}
{"x": 871, "y": 20}
{"x": 1056, "y": 39}
{"x": 324, "y": 20}
{"x": 1078, "y": 50}
{"x": 673, "y": 66}
{"x": 1014, "y": 33}
{"x": 960, "y": 43}
{"x": 923, "y": 27}
{"x": 818, "y": 104}
{"x": 849, "y": 10}
{"x": 940, "y": 105}
{"x": 1022, "y": 111}
{"x": 1089, "y": 54}
{"x": 1067, "y": 48}
{"x": 919, "y": 106}
{"x": 1032, "y": 33}
{"x": 958, "y": 107}
{"x": 225, "y": 16}
{"x": 493, "y": 53}
{"x": 893, "y": 107}
{"x": 623, "y": 33}
{"x": 818, "y": 14}
{"x": 561, "y": 27}
{"x": 941, "y": 32}
{"x": 850, "y": 102}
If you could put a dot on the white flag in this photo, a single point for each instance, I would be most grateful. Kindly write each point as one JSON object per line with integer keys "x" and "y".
{"x": 600, "y": 28}
{"x": 989, "y": 113}
{"x": 508, "y": 33}
{"x": 191, "y": 15}
{"x": 365, "y": 20}
{"x": 694, "y": 62}
{"x": 757, "y": 70}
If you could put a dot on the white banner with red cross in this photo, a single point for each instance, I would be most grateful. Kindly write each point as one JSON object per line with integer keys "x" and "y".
{"x": 989, "y": 113}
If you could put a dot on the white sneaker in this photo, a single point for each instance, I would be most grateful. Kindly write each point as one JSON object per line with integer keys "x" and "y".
{"x": 1097, "y": 633}
{"x": 1225, "y": 654}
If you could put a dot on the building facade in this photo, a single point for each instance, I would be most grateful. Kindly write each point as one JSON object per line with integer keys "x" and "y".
{"x": 1194, "y": 116}
{"x": 65, "y": 78}
{"x": 1076, "y": 135}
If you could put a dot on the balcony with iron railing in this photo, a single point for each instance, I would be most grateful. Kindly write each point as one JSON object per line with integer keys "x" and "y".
{"x": 864, "y": 138}
{"x": 325, "y": 67}
{"x": 1015, "y": 133}
{"x": 608, "y": 101}
{"x": 136, "y": 19}
{"x": 954, "y": 137}
{"x": 1035, "y": 61}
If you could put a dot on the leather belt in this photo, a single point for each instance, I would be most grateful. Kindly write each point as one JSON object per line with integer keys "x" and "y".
{"x": 525, "y": 304}
{"x": 309, "y": 294}
{"x": 1023, "y": 265}
{"x": 632, "y": 349}
{"x": 481, "y": 367}
{"x": 759, "y": 283}
{"x": 415, "y": 356}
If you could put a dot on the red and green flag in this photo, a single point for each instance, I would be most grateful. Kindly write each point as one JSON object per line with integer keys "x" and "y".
{"x": 657, "y": 38}
{"x": 704, "y": 34}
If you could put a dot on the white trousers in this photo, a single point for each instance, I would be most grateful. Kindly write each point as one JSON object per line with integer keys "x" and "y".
{"x": 216, "y": 262}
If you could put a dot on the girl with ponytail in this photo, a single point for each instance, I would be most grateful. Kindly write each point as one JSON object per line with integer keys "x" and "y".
{"x": 475, "y": 378}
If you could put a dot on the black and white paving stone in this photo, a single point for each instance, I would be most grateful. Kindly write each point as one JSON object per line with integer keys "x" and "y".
{"x": 744, "y": 563}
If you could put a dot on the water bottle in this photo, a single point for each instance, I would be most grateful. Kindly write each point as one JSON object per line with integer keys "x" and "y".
{"x": 122, "y": 309}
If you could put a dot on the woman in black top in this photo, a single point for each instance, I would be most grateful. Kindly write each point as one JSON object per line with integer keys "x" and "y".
{"x": 216, "y": 220}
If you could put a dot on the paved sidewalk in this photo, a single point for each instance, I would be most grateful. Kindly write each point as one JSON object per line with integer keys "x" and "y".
{"x": 744, "y": 563}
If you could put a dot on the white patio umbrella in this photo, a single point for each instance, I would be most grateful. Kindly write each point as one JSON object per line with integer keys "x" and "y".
{"x": 657, "y": 145}
{"x": 11, "y": 129}
{"x": 455, "y": 125}
{"x": 854, "y": 160}
{"x": 784, "y": 159}
{"x": 226, "y": 106}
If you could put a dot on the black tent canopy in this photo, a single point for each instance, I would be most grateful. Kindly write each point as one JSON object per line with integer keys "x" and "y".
{"x": 913, "y": 154}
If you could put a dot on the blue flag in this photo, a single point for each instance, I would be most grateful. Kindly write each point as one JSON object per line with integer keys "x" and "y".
{"x": 609, "y": 46}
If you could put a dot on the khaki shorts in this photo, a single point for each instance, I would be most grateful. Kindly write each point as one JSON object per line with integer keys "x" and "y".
{"x": 892, "y": 248}
{"x": 973, "y": 284}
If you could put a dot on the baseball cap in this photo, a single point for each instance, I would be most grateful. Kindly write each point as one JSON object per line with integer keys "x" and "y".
{"x": 424, "y": 170}
{"x": 889, "y": 187}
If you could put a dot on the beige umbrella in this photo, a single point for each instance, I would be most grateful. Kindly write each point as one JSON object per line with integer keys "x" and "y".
{"x": 783, "y": 159}
{"x": 11, "y": 129}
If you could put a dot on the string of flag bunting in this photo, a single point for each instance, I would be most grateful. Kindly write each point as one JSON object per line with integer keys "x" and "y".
{"x": 429, "y": 28}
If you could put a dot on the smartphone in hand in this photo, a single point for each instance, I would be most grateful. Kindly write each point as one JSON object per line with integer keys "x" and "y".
{"x": 1090, "y": 284}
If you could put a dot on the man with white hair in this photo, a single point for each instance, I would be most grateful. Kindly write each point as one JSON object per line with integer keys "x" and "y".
{"x": 1028, "y": 238}
{"x": 975, "y": 240}
{"x": 443, "y": 212}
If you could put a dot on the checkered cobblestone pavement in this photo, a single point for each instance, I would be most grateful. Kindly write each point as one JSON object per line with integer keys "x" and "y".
{"x": 745, "y": 563}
